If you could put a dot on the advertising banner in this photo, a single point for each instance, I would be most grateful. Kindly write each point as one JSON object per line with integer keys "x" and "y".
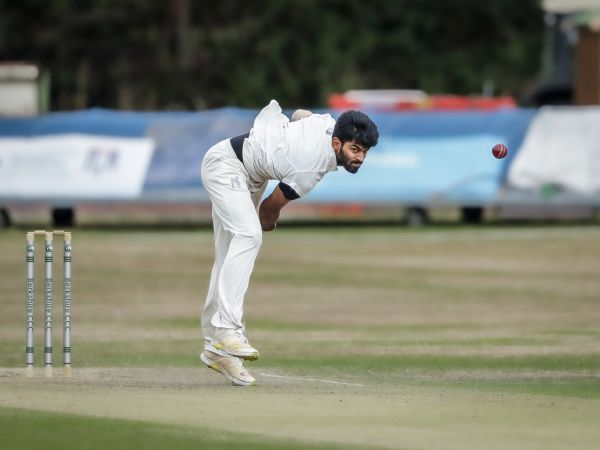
{"x": 73, "y": 166}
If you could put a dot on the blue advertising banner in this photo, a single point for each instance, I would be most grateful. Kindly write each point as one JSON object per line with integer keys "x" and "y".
{"x": 419, "y": 169}
{"x": 421, "y": 157}
{"x": 431, "y": 156}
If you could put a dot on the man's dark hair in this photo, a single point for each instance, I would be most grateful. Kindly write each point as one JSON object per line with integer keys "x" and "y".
{"x": 358, "y": 127}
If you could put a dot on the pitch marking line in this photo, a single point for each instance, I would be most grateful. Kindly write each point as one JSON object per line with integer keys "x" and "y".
{"x": 311, "y": 379}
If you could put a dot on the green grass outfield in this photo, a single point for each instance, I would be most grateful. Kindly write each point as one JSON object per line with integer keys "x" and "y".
{"x": 450, "y": 338}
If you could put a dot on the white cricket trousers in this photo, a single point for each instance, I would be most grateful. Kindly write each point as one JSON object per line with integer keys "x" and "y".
{"x": 237, "y": 234}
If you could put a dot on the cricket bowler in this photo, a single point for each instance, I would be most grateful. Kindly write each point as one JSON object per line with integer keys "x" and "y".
{"x": 235, "y": 172}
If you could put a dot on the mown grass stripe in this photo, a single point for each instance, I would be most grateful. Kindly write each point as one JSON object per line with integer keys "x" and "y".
{"x": 29, "y": 429}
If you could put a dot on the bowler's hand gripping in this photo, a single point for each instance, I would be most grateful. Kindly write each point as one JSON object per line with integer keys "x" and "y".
{"x": 300, "y": 114}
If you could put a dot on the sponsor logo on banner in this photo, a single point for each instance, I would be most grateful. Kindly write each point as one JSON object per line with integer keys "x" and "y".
{"x": 101, "y": 160}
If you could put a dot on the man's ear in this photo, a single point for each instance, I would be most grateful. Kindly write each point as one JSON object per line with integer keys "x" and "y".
{"x": 336, "y": 144}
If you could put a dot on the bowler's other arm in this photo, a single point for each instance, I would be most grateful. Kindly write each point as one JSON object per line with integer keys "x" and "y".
{"x": 269, "y": 209}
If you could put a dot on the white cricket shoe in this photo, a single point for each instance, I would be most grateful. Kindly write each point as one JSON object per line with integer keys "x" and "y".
{"x": 229, "y": 366}
{"x": 234, "y": 343}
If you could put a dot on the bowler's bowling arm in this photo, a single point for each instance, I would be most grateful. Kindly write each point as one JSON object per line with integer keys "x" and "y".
{"x": 269, "y": 209}
{"x": 300, "y": 114}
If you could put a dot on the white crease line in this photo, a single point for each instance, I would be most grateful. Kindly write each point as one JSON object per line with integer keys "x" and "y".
{"x": 312, "y": 379}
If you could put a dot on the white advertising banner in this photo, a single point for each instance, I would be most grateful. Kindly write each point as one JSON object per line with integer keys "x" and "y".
{"x": 562, "y": 148}
{"x": 75, "y": 166}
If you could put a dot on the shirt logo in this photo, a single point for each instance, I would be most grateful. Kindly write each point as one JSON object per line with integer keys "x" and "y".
{"x": 236, "y": 183}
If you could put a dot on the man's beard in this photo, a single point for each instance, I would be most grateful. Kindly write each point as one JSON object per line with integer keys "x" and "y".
{"x": 351, "y": 165}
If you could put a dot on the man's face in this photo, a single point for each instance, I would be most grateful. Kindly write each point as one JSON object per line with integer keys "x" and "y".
{"x": 349, "y": 154}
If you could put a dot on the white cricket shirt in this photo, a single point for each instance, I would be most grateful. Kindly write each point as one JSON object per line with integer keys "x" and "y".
{"x": 297, "y": 153}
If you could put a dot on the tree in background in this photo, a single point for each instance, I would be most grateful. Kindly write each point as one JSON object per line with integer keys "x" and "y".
{"x": 184, "y": 54}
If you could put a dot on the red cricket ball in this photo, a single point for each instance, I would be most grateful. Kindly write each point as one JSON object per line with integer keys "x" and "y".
{"x": 499, "y": 151}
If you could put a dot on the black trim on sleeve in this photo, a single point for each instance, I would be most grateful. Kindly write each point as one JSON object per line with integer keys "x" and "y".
{"x": 288, "y": 192}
